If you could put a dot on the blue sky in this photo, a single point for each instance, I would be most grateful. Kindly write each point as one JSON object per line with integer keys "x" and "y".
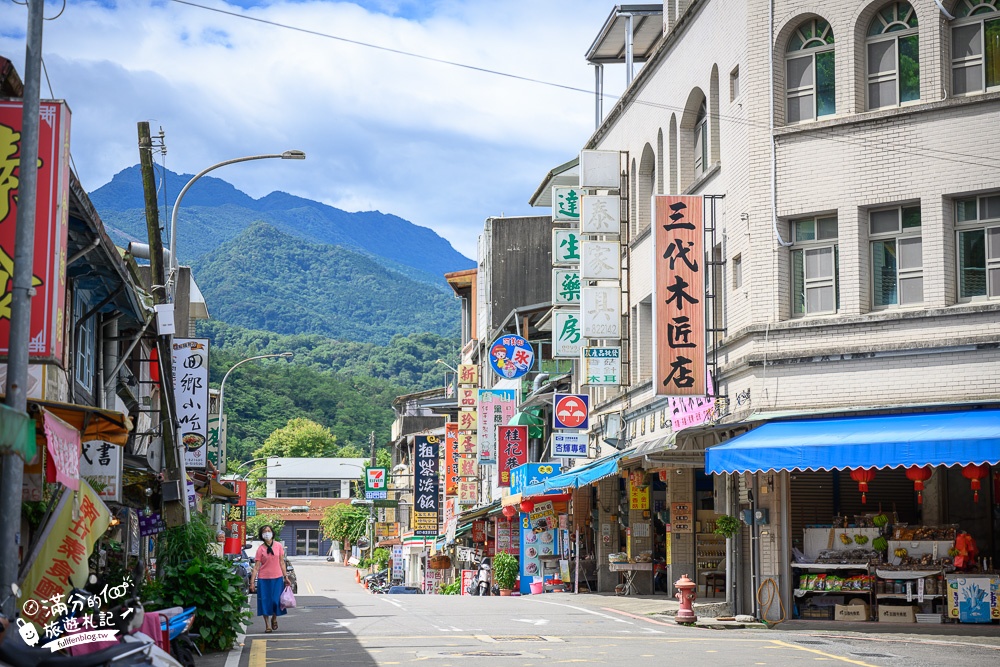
{"x": 442, "y": 146}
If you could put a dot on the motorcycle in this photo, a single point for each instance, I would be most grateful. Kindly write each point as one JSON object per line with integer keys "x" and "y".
{"x": 178, "y": 623}
{"x": 481, "y": 584}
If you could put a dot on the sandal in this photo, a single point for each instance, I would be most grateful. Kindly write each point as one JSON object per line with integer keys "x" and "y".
{"x": 274, "y": 622}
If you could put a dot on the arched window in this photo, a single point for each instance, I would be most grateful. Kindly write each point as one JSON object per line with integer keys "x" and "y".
{"x": 701, "y": 140}
{"x": 975, "y": 46}
{"x": 893, "y": 57}
{"x": 810, "y": 90}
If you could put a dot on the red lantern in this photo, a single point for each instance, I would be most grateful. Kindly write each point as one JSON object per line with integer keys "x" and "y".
{"x": 976, "y": 473}
{"x": 509, "y": 511}
{"x": 918, "y": 475}
{"x": 862, "y": 476}
{"x": 527, "y": 506}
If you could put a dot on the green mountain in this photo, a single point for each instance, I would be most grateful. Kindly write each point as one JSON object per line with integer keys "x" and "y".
{"x": 267, "y": 279}
{"x": 214, "y": 212}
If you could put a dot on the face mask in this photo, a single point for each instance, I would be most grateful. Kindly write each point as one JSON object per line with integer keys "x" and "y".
{"x": 268, "y": 536}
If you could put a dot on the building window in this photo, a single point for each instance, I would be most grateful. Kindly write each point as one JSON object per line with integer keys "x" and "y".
{"x": 815, "y": 269}
{"x": 978, "y": 222}
{"x": 809, "y": 68}
{"x": 897, "y": 257}
{"x": 738, "y": 271}
{"x": 701, "y": 140}
{"x": 975, "y": 46}
{"x": 86, "y": 345}
{"x": 734, "y": 84}
{"x": 893, "y": 57}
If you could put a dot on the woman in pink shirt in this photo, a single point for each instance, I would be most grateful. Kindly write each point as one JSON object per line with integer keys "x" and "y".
{"x": 269, "y": 577}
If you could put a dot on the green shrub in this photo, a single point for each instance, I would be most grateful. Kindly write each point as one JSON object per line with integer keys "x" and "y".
{"x": 505, "y": 570}
{"x": 454, "y": 588}
{"x": 380, "y": 559}
{"x": 209, "y": 583}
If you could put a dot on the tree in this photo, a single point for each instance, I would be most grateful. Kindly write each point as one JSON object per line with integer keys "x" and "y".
{"x": 255, "y": 523}
{"x": 299, "y": 438}
{"x": 344, "y": 522}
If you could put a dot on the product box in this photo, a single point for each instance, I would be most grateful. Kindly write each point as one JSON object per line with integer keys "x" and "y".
{"x": 899, "y": 614}
{"x": 856, "y": 611}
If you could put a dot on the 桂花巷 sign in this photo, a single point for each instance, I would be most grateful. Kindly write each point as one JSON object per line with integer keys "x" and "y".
{"x": 426, "y": 484}
{"x": 602, "y": 365}
{"x": 48, "y": 280}
{"x": 570, "y": 411}
{"x": 601, "y": 312}
{"x": 511, "y": 356}
{"x": 565, "y": 247}
{"x": 602, "y": 214}
{"x": 566, "y": 203}
{"x": 190, "y": 357}
{"x": 566, "y": 287}
{"x": 512, "y": 451}
{"x": 569, "y": 445}
{"x": 103, "y": 462}
{"x": 496, "y": 408}
{"x": 567, "y": 336}
{"x": 679, "y": 365}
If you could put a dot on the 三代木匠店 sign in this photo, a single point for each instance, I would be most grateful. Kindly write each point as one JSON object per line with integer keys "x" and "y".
{"x": 190, "y": 357}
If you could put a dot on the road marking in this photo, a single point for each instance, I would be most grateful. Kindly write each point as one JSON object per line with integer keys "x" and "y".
{"x": 312, "y": 590}
{"x": 586, "y": 611}
{"x": 393, "y": 602}
{"x": 233, "y": 658}
{"x": 825, "y": 655}
{"x": 532, "y": 621}
{"x": 641, "y": 618}
{"x": 258, "y": 653}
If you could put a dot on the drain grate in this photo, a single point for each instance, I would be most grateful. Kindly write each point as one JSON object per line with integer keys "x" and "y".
{"x": 873, "y": 655}
{"x": 810, "y": 641}
{"x": 481, "y": 654}
{"x": 518, "y": 638}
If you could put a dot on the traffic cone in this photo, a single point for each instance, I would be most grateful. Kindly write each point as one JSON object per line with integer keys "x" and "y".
{"x": 357, "y": 575}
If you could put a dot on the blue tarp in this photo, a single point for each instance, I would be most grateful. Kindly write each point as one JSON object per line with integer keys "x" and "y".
{"x": 577, "y": 477}
{"x": 890, "y": 441}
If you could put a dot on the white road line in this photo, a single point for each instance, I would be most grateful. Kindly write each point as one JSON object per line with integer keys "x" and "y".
{"x": 587, "y": 611}
{"x": 392, "y": 602}
{"x": 532, "y": 621}
{"x": 233, "y": 658}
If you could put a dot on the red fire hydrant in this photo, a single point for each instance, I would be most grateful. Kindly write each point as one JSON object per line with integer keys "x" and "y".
{"x": 687, "y": 593}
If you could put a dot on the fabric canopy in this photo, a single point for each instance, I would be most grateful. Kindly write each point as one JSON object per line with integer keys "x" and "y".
{"x": 577, "y": 477}
{"x": 92, "y": 423}
{"x": 889, "y": 441}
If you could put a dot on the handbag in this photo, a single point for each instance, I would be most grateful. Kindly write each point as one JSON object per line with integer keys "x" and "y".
{"x": 287, "y": 599}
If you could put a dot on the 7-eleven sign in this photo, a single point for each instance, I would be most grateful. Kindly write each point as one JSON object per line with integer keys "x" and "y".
{"x": 375, "y": 479}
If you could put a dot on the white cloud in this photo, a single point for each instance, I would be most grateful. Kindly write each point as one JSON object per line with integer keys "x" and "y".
{"x": 439, "y": 145}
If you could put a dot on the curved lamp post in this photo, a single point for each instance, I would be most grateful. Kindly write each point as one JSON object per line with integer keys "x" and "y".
{"x": 287, "y": 155}
{"x": 222, "y": 386}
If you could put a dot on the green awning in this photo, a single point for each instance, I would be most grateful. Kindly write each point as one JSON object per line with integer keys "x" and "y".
{"x": 17, "y": 433}
{"x": 531, "y": 419}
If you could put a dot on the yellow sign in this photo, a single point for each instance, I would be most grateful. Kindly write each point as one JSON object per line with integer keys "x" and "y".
{"x": 386, "y": 530}
{"x": 425, "y": 521}
{"x": 76, "y": 526}
{"x": 638, "y": 497}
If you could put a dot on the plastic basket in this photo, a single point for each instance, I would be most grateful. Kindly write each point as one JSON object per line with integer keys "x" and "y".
{"x": 537, "y": 587}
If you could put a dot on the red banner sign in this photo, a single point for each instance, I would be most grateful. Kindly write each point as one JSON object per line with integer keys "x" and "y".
{"x": 479, "y": 532}
{"x": 679, "y": 367}
{"x": 51, "y": 225}
{"x": 512, "y": 450}
{"x": 65, "y": 452}
{"x": 451, "y": 458}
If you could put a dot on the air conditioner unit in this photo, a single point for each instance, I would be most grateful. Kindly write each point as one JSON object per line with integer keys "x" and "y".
{"x": 614, "y": 430}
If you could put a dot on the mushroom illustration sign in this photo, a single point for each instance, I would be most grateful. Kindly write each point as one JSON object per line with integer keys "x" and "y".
{"x": 571, "y": 411}
{"x": 511, "y": 356}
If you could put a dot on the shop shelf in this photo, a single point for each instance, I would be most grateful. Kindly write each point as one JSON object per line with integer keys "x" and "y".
{"x": 902, "y": 596}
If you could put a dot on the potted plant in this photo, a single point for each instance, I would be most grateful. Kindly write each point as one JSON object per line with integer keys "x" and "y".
{"x": 505, "y": 569}
{"x": 727, "y": 526}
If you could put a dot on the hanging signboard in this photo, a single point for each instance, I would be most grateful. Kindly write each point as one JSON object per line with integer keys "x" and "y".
{"x": 689, "y": 411}
{"x": 151, "y": 524}
{"x": 532, "y": 473}
{"x": 48, "y": 305}
{"x": 602, "y": 366}
{"x": 567, "y": 336}
{"x": 468, "y": 442}
{"x": 600, "y": 260}
{"x": 571, "y": 411}
{"x": 638, "y": 497}
{"x": 426, "y": 485}
{"x": 62, "y": 442}
{"x": 601, "y": 312}
{"x": 602, "y": 214}
{"x": 566, "y": 287}
{"x": 600, "y": 169}
{"x": 569, "y": 445}
{"x": 566, "y": 203}
{"x": 565, "y": 246}
{"x": 512, "y": 451}
{"x": 511, "y": 356}
{"x": 468, "y": 374}
{"x": 190, "y": 357}
{"x": 468, "y": 492}
{"x": 679, "y": 366}
{"x": 376, "y": 487}
{"x": 467, "y": 398}
{"x": 468, "y": 420}
{"x": 507, "y": 537}
{"x": 496, "y": 409}
{"x": 451, "y": 458}
{"x": 103, "y": 462}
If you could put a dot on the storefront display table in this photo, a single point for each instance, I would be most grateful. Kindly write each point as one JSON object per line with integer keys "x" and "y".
{"x": 629, "y": 571}
{"x": 823, "y": 601}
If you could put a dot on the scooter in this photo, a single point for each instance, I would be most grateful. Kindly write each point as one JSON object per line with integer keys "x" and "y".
{"x": 481, "y": 580}
{"x": 178, "y": 622}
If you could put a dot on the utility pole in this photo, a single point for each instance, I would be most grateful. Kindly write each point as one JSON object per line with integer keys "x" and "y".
{"x": 12, "y": 476}
{"x": 175, "y": 509}
{"x": 371, "y": 443}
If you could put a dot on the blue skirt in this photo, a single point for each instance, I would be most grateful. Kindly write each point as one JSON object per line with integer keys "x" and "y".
{"x": 269, "y": 596}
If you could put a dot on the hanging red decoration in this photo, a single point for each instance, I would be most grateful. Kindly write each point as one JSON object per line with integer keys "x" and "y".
{"x": 975, "y": 473}
{"x": 918, "y": 475}
{"x": 527, "y": 506}
{"x": 862, "y": 476}
{"x": 509, "y": 511}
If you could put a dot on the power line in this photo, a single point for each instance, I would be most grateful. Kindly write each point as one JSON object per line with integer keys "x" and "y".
{"x": 935, "y": 153}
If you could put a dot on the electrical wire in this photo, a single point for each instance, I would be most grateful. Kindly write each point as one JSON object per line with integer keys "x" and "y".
{"x": 767, "y": 593}
{"x": 825, "y": 134}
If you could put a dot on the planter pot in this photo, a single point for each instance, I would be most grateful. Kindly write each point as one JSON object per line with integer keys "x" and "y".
{"x": 505, "y": 592}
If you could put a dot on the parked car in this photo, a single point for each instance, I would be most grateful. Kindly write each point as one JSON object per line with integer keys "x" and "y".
{"x": 404, "y": 590}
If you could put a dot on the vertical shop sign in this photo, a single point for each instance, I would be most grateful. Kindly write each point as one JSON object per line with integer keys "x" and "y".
{"x": 451, "y": 458}
{"x": 565, "y": 287}
{"x": 679, "y": 367}
{"x": 468, "y": 420}
{"x": 567, "y": 335}
{"x": 600, "y": 169}
{"x": 565, "y": 247}
{"x": 468, "y": 492}
{"x": 566, "y": 204}
{"x": 48, "y": 306}
{"x": 63, "y": 444}
{"x": 467, "y": 398}
{"x": 190, "y": 356}
{"x": 601, "y": 312}
{"x": 512, "y": 451}
{"x": 600, "y": 260}
{"x": 103, "y": 462}
{"x": 496, "y": 408}
{"x": 602, "y": 366}
{"x": 425, "y": 499}
{"x": 602, "y": 214}
{"x": 468, "y": 374}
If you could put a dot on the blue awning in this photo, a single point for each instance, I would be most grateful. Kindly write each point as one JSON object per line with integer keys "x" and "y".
{"x": 889, "y": 441}
{"x": 577, "y": 477}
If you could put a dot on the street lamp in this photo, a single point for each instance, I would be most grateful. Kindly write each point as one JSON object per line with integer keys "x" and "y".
{"x": 441, "y": 361}
{"x": 287, "y": 155}
{"x": 222, "y": 386}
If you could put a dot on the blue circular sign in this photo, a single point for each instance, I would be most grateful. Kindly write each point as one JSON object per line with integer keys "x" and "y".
{"x": 511, "y": 356}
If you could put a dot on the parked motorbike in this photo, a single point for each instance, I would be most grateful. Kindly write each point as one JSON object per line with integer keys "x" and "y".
{"x": 481, "y": 580}
{"x": 178, "y": 622}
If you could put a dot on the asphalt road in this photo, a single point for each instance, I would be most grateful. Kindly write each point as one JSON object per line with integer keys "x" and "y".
{"x": 338, "y": 623}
